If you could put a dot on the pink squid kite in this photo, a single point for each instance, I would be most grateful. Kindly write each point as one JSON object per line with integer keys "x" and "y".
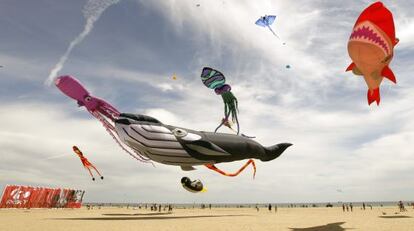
{"x": 99, "y": 108}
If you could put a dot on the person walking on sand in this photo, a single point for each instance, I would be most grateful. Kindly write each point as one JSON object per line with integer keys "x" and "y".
{"x": 257, "y": 208}
{"x": 275, "y": 208}
{"x": 347, "y": 208}
{"x": 343, "y": 207}
{"x": 270, "y": 208}
{"x": 351, "y": 206}
{"x": 363, "y": 205}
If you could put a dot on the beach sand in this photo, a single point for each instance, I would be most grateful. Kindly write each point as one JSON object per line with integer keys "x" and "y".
{"x": 307, "y": 219}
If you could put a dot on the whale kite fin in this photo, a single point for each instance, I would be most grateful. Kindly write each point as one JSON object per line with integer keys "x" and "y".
{"x": 187, "y": 168}
{"x": 275, "y": 151}
{"x": 207, "y": 148}
{"x": 387, "y": 73}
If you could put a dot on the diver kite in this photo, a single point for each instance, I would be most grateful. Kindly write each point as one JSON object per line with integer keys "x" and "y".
{"x": 194, "y": 186}
{"x": 214, "y": 79}
{"x": 86, "y": 163}
{"x": 152, "y": 140}
{"x": 267, "y": 21}
{"x": 371, "y": 48}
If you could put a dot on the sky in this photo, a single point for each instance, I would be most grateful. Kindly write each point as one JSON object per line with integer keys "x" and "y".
{"x": 343, "y": 149}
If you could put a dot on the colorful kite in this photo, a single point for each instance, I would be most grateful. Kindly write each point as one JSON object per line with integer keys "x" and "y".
{"x": 214, "y": 168}
{"x": 152, "y": 140}
{"x": 194, "y": 186}
{"x": 267, "y": 21}
{"x": 371, "y": 48}
{"x": 214, "y": 79}
{"x": 99, "y": 108}
{"x": 88, "y": 165}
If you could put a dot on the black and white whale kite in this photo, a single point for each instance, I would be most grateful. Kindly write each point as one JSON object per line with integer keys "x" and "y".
{"x": 151, "y": 140}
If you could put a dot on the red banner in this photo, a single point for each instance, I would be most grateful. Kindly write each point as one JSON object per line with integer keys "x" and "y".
{"x": 15, "y": 196}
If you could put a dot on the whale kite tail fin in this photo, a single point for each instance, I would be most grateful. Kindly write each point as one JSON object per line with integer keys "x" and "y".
{"x": 275, "y": 151}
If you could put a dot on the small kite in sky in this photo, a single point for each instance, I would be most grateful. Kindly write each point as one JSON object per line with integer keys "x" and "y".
{"x": 371, "y": 48}
{"x": 267, "y": 21}
{"x": 214, "y": 79}
{"x": 194, "y": 186}
{"x": 88, "y": 165}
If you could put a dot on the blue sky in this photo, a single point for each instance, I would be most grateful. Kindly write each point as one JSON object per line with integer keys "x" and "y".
{"x": 136, "y": 46}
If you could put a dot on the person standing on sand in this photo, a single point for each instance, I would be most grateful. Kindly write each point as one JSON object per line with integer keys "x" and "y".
{"x": 257, "y": 208}
{"x": 270, "y": 208}
{"x": 347, "y": 208}
{"x": 343, "y": 207}
{"x": 275, "y": 208}
{"x": 363, "y": 205}
{"x": 351, "y": 206}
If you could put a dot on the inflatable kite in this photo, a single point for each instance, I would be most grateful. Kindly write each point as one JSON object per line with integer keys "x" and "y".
{"x": 152, "y": 140}
{"x": 371, "y": 48}
{"x": 214, "y": 79}
{"x": 267, "y": 21}
{"x": 86, "y": 163}
{"x": 194, "y": 186}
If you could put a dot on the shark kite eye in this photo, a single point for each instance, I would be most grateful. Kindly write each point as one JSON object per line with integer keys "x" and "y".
{"x": 179, "y": 132}
{"x": 88, "y": 98}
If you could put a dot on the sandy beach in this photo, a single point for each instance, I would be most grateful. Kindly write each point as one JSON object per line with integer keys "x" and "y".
{"x": 309, "y": 219}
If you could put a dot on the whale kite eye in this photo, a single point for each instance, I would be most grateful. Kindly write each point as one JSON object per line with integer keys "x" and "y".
{"x": 179, "y": 132}
{"x": 88, "y": 98}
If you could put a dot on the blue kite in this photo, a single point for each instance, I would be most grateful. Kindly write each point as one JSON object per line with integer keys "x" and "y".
{"x": 266, "y": 21}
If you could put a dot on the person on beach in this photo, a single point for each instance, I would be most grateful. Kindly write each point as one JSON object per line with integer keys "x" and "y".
{"x": 351, "y": 206}
{"x": 347, "y": 208}
{"x": 275, "y": 208}
{"x": 270, "y": 208}
{"x": 343, "y": 207}
{"x": 363, "y": 205}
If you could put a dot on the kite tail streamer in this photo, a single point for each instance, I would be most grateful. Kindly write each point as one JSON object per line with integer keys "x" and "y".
{"x": 214, "y": 168}
{"x": 273, "y": 31}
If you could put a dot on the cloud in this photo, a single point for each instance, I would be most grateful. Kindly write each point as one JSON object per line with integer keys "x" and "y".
{"x": 91, "y": 11}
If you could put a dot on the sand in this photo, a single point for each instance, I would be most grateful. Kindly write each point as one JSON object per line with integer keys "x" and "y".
{"x": 309, "y": 219}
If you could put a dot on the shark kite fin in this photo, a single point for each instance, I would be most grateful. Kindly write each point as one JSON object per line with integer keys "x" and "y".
{"x": 350, "y": 67}
{"x": 387, "y": 73}
{"x": 373, "y": 95}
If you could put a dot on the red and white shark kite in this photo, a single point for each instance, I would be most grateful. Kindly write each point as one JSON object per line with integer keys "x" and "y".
{"x": 371, "y": 48}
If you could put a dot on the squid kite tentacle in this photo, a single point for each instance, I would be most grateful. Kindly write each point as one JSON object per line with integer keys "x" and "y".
{"x": 109, "y": 128}
{"x": 251, "y": 161}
